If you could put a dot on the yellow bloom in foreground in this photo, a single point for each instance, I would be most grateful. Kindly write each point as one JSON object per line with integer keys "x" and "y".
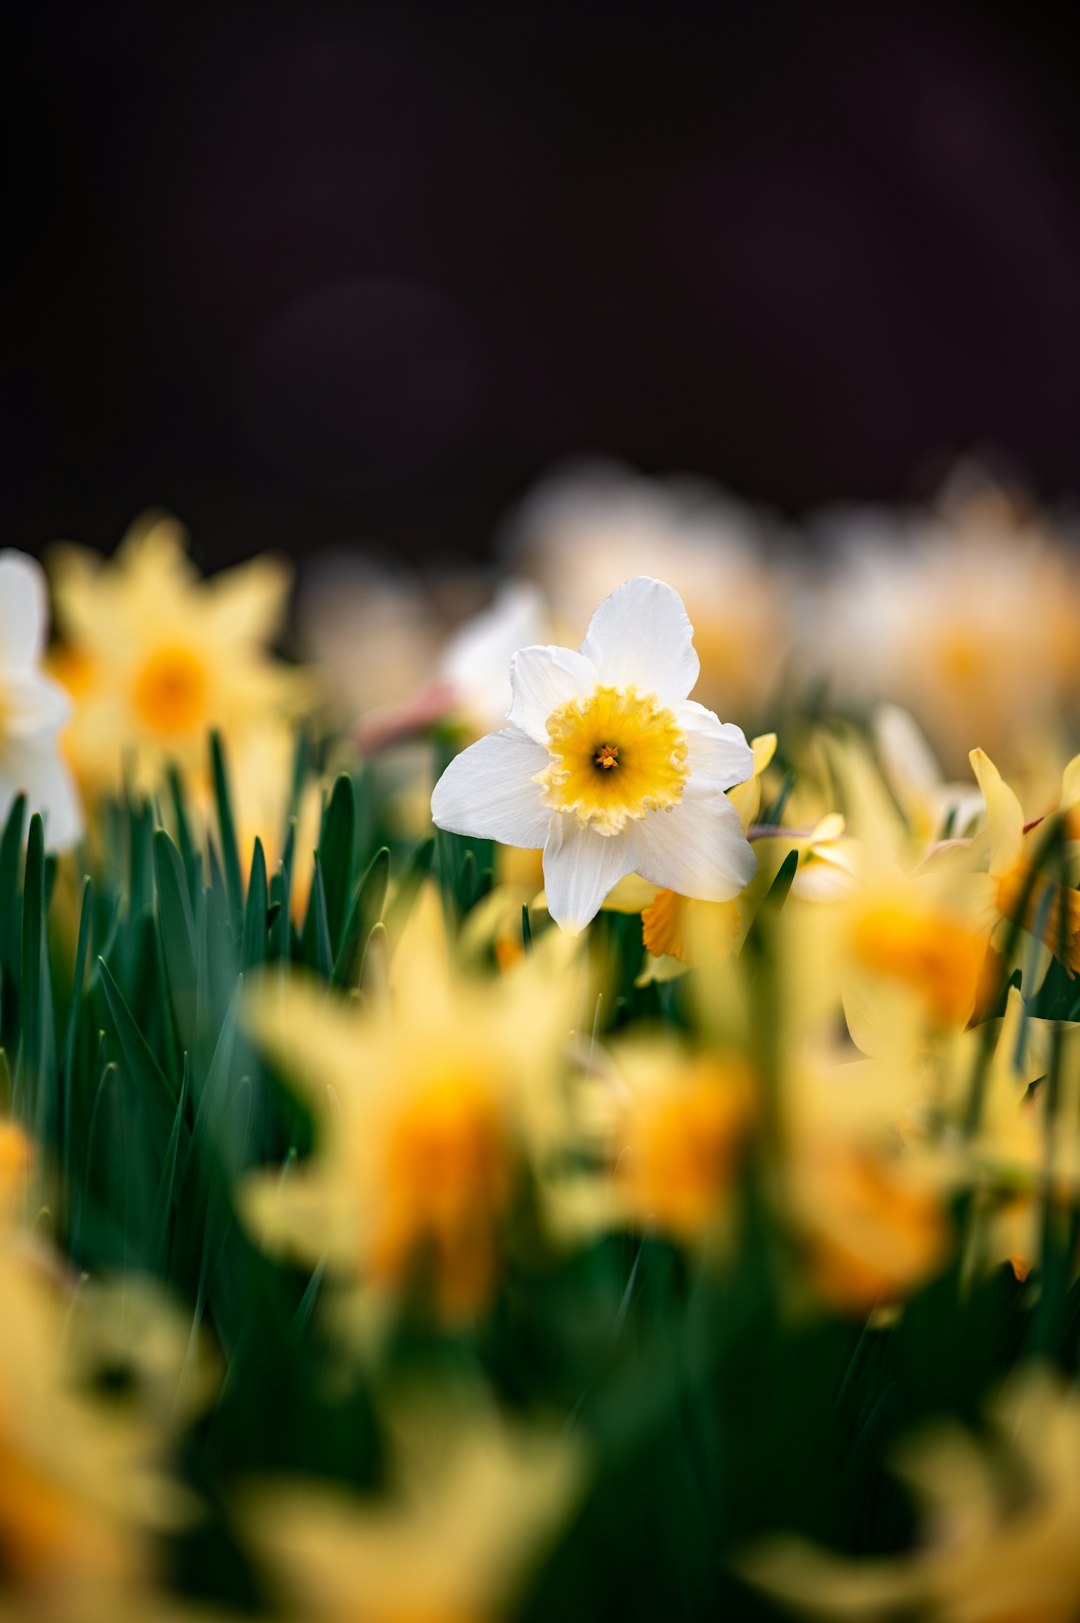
{"x": 1051, "y": 907}
{"x": 865, "y": 1193}
{"x": 79, "y": 1488}
{"x": 475, "y": 1504}
{"x": 437, "y": 1099}
{"x": 1001, "y": 1520}
{"x": 16, "y": 1162}
{"x": 910, "y": 939}
{"x": 682, "y": 1132}
{"x": 873, "y": 1230}
{"x": 158, "y": 656}
{"x": 903, "y": 946}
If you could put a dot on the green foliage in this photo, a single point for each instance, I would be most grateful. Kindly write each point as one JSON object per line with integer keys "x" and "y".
{"x": 712, "y": 1414}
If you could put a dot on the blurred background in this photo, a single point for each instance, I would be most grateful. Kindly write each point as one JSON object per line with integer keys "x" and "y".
{"x": 331, "y": 275}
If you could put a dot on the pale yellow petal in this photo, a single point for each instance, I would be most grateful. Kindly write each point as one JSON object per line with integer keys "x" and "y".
{"x": 1004, "y": 815}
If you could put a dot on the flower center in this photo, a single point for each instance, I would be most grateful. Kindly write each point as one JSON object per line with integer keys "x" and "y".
{"x": 682, "y": 1144}
{"x": 935, "y": 954}
{"x": 448, "y": 1179}
{"x": 4, "y": 711}
{"x": 170, "y": 690}
{"x": 614, "y": 756}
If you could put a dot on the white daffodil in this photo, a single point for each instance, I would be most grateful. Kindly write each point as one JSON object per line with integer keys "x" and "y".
{"x": 608, "y": 765}
{"x": 33, "y": 707}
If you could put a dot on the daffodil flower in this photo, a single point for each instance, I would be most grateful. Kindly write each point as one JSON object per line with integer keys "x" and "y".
{"x": 608, "y": 765}
{"x": 33, "y": 707}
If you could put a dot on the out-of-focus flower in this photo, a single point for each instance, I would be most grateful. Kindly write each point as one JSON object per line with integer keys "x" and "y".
{"x": 868, "y": 1200}
{"x": 440, "y": 1096}
{"x": 1001, "y": 1521}
{"x": 16, "y": 1163}
{"x": 1032, "y": 899}
{"x": 471, "y": 692}
{"x": 1022, "y": 1150}
{"x": 672, "y": 1124}
{"x": 475, "y": 664}
{"x": 158, "y": 656}
{"x": 930, "y": 804}
{"x": 81, "y": 1489}
{"x": 967, "y": 616}
{"x": 580, "y": 534}
{"x": 475, "y": 1503}
{"x": 608, "y": 765}
{"x": 33, "y": 707}
{"x": 905, "y": 942}
{"x": 874, "y": 1228}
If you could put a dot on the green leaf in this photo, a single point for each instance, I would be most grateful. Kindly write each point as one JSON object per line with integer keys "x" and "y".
{"x": 408, "y": 888}
{"x": 254, "y": 940}
{"x": 281, "y": 894}
{"x": 375, "y": 969}
{"x": 78, "y": 981}
{"x": 177, "y": 931}
{"x": 173, "y": 1168}
{"x": 316, "y": 938}
{"x": 365, "y": 913}
{"x": 230, "y": 850}
{"x": 33, "y": 968}
{"x": 188, "y": 850}
{"x": 336, "y": 856}
{"x": 150, "y": 1088}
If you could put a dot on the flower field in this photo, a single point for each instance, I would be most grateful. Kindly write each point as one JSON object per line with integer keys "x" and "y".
{"x": 559, "y": 1099}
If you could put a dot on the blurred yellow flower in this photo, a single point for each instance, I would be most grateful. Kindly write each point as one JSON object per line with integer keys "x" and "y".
{"x": 431, "y": 1103}
{"x": 81, "y": 1487}
{"x": 156, "y": 656}
{"x": 1031, "y": 899}
{"x": 873, "y": 1229}
{"x": 683, "y": 1126}
{"x": 474, "y": 1504}
{"x": 1001, "y": 1525}
{"x": 966, "y": 615}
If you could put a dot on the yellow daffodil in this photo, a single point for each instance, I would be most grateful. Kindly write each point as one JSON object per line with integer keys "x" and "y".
{"x": 906, "y": 940}
{"x": 432, "y": 1103}
{"x": 1001, "y": 1517}
{"x": 473, "y": 1505}
{"x": 160, "y": 656}
{"x": 1050, "y": 906}
{"x": 965, "y": 615}
{"x": 81, "y": 1489}
{"x": 608, "y": 766}
{"x": 867, "y": 1197}
{"x": 678, "y": 1123}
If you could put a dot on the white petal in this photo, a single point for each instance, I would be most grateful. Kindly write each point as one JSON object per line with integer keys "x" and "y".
{"x": 905, "y": 755}
{"x": 641, "y": 634}
{"x": 717, "y": 751}
{"x": 36, "y": 770}
{"x": 23, "y": 611}
{"x": 487, "y": 791}
{"x": 476, "y": 660}
{"x": 580, "y": 867}
{"x": 33, "y": 704}
{"x": 541, "y": 679}
{"x": 697, "y": 848}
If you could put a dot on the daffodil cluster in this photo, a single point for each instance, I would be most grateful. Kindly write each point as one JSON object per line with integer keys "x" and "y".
{"x": 589, "y": 1126}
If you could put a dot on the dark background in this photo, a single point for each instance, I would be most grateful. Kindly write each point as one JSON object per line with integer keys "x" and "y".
{"x": 332, "y": 273}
